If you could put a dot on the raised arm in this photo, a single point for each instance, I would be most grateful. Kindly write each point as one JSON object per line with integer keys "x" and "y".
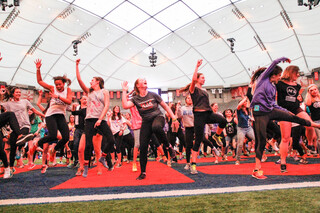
{"x": 194, "y": 77}
{"x": 242, "y": 102}
{"x": 82, "y": 85}
{"x": 126, "y": 104}
{"x": 266, "y": 73}
{"x": 39, "y": 101}
{"x": 39, "y": 78}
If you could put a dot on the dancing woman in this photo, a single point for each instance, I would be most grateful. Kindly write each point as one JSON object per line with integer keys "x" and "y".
{"x": 202, "y": 114}
{"x": 288, "y": 90}
{"x": 153, "y": 120}
{"x": 313, "y": 102}
{"x": 55, "y": 115}
{"x": 265, "y": 109}
{"x": 20, "y": 108}
{"x": 97, "y": 108}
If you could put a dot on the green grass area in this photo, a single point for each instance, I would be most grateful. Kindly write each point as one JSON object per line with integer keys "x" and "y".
{"x": 292, "y": 200}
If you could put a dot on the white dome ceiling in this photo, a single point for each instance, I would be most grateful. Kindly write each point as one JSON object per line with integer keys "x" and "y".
{"x": 120, "y": 35}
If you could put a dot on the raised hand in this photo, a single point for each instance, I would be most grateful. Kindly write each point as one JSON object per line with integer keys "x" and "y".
{"x": 78, "y": 61}
{"x": 0, "y": 57}
{"x": 199, "y": 62}
{"x": 125, "y": 85}
{"x": 38, "y": 63}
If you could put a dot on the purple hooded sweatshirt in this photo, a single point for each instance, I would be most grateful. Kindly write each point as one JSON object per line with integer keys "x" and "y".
{"x": 264, "y": 97}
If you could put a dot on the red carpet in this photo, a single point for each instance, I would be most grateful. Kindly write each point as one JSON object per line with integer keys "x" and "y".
{"x": 269, "y": 168}
{"x": 157, "y": 173}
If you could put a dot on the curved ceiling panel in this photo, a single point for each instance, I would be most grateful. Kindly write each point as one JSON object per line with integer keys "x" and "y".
{"x": 117, "y": 38}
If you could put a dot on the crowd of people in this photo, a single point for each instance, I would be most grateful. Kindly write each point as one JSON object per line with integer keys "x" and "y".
{"x": 272, "y": 114}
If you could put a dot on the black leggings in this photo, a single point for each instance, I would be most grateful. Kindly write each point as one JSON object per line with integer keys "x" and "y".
{"x": 127, "y": 143}
{"x": 118, "y": 139}
{"x": 147, "y": 128}
{"x": 5, "y": 118}
{"x": 189, "y": 134}
{"x": 77, "y": 135}
{"x": 200, "y": 120}
{"x": 296, "y": 133}
{"x": 54, "y": 123}
{"x": 260, "y": 126}
{"x": 90, "y": 131}
{"x": 172, "y": 138}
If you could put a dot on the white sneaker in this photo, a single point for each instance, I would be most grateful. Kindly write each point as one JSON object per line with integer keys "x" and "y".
{"x": 187, "y": 166}
{"x": 275, "y": 147}
{"x": 7, "y": 173}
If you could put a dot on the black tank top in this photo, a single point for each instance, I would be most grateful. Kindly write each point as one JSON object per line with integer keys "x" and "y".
{"x": 287, "y": 96}
{"x": 315, "y": 110}
{"x": 200, "y": 99}
{"x": 231, "y": 128}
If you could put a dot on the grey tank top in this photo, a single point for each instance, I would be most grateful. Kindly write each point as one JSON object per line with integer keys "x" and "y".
{"x": 56, "y": 105}
{"x": 95, "y": 104}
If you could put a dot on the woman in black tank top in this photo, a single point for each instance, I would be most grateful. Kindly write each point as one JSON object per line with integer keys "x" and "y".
{"x": 288, "y": 90}
{"x": 203, "y": 114}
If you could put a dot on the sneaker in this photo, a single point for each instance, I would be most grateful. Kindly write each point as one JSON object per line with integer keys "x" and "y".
{"x": 158, "y": 159}
{"x": 31, "y": 166}
{"x": 218, "y": 139}
{"x": 224, "y": 157}
{"x": 187, "y": 166}
{"x": 264, "y": 158}
{"x": 111, "y": 168}
{"x": 118, "y": 165}
{"x": 71, "y": 166}
{"x": 174, "y": 160}
{"x": 275, "y": 147}
{"x": 141, "y": 176}
{"x": 22, "y": 139}
{"x": 216, "y": 151}
{"x": 134, "y": 167}
{"x": 7, "y": 173}
{"x": 102, "y": 160}
{"x": 193, "y": 169}
{"x": 216, "y": 161}
{"x": 85, "y": 171}
{"x": 278, "y": 161}
{"x": 44, "y": 169}
{"x": 296, "y": 158}
{"x": 303, "y": 161}
{"x": 172, "y": 152}
{"x": 237, "y": 163}
{"x": 13, "y": 170}
{"x": 283, "y": 168}
{"x": 258, "y": 174}
{"x": 169, "y": 163}
{"x": 79, "y": 172}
